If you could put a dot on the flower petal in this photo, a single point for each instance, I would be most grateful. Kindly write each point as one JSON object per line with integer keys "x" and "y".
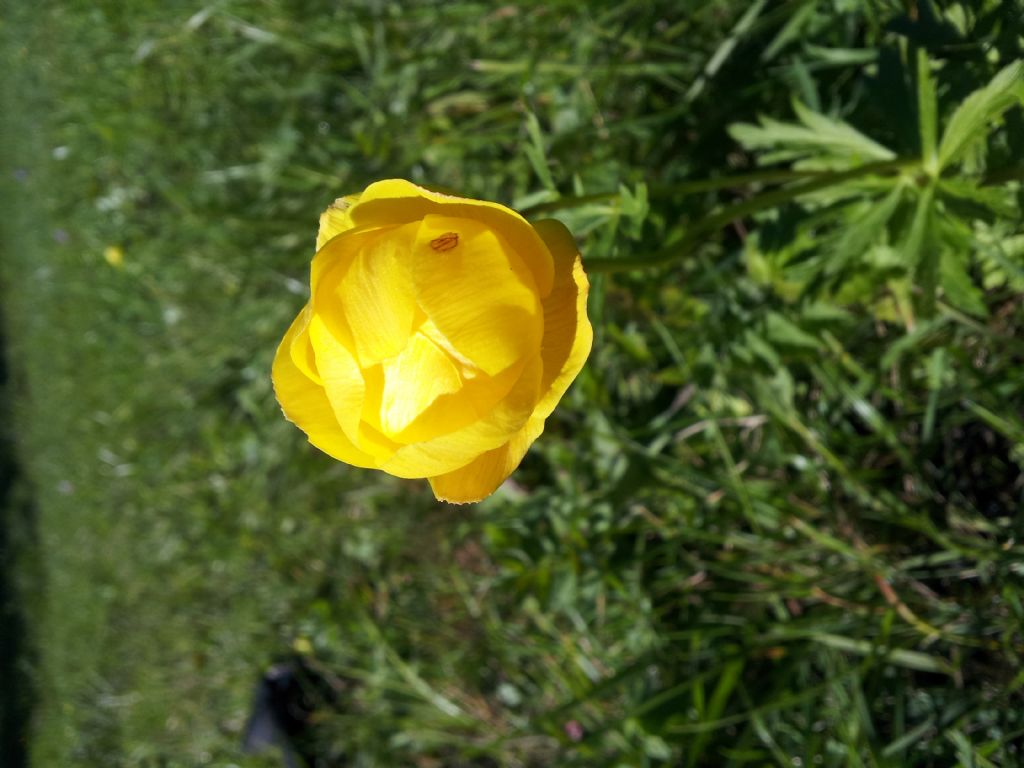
{"x": 376, "y": 295}
{"x": 456, "y": 449}
{"x": 342, "y": 380}
{"x": 371, "y": 432}
{"x": 568, "y": 335}
{"x": 378, "y": 445}
{"x": 301, "y": 348}
{"x": 334, "y": 257}
{"x": 473, "y": 401}
{"x": 477, "y": 292}
{"x": 335, "y": 219}
{"x": 396, "y": 201}
{"x": 413, "y": 380}
{"x": 482, "y": 476}
{"x": 305, "y": 404}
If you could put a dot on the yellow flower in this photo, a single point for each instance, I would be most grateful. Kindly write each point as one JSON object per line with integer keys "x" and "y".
{"x": 440, "y": 333}
{"x": 114, "y": 256}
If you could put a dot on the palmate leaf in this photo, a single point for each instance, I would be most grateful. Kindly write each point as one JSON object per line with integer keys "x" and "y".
{"x": 860, "y": 235}
{"x": 816, "y": 136}
{"x": 967, "y": 124}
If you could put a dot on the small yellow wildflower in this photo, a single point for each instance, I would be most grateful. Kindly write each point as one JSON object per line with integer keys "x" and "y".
{"x": 114, "y": 256}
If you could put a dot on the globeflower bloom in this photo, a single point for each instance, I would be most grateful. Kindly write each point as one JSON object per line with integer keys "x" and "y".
{"x": 439, "y": 335}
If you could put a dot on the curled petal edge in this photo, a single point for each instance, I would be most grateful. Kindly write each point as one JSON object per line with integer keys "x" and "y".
{"x": 307, "y": 404}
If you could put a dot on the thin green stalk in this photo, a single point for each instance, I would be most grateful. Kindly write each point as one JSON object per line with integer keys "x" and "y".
{"x": 767, "y": 176}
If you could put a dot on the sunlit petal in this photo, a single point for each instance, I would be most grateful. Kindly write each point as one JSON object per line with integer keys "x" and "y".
{"x": 301, "y": 348}
{"x": 473, "y": 401}
{"x": 456, "y": 449}
{"x": 335, "y": 219}
{"x": 395, "y": 200}
{"x": 413, "y": 380}
{"x": 477, "y": 292}
{"x": 482, "y": 476}
{"x": 376, "y": 295}
{"x": 306, "y": 405}
{"x": 342, "y": 379}
{"x": 567, "y": 332}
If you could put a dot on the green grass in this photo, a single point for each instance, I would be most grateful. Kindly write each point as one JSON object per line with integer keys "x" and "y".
{"x": 777, "y": 520}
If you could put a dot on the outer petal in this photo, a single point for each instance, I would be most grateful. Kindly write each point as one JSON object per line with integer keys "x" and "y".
{"x": 302, "y": 348}
{"x": 567, "y": 331}
{"x": 477, "y": 292}
{"x": 481, "y": 477}
{"x": 335, "y": 219}
{"x": 456, "y": 449}
{"x": 376, "y": 295}
{"x": 342, "y": 380}
{"x": 333, "y": 259}
{"x": 397, "y": 201}
{"x": 306, "y": 405}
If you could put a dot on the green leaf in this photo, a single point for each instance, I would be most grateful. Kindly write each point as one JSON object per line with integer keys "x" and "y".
{"x": 794, "y": 29}
{"x": 1001, "y": 424}
{"x": 841, "y": 137}
{"x": 1002, "y": 258}
{"x": 824, "y": 312}
{"x": 919, "y": 250}
{"x": 927, "y": 113}
{"x": 757, "y": 346}
{"x": 816, "y": 135}
{"x": 634, "y": 208}
{"x": 863, "y": 231}
{"x": 722, "y": 693}
{"x": 957, "y": 285}
{"x": 725, "y": 48}
{"x": 781, "y": 330}
{"x": 913, "y": 249}
{"x": 536, "y": 153}
{"x": 842, "y": 56}
{"x": 804, "y": 86}
{"x": 937, "y": 367}
{"x": 921, "y": 335}
{"x": 1001, "y": 201}
{"x": 898, "y": 656}
{"x": 967, "y": 125}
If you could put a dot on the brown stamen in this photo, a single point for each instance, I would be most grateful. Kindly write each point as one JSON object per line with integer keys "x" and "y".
{"x": 445, "y": 242}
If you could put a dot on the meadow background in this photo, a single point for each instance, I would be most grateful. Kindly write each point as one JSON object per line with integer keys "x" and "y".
{"x": 776, "y": 521}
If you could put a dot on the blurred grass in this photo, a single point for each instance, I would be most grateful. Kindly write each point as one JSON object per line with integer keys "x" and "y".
{"x": 758, "y": 531}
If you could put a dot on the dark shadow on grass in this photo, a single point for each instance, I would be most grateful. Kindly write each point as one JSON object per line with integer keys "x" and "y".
{"x": 15, "y": 520}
